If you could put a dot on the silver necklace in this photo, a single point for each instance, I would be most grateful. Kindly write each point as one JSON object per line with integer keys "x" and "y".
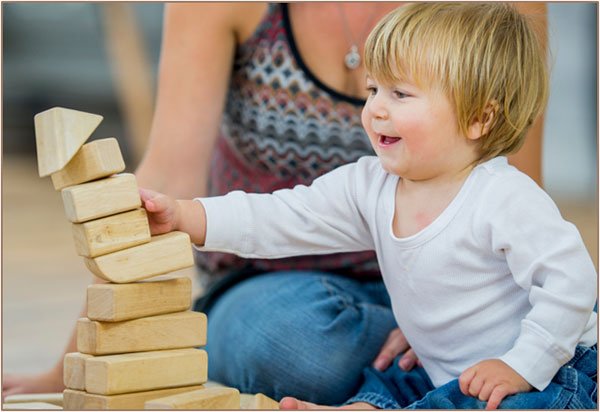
{"x": 352, "y": 58}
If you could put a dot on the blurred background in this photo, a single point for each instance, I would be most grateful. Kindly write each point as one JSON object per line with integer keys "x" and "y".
{"x": 102, "y": 58}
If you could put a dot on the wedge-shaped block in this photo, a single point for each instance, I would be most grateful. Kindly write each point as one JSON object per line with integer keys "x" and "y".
{"x": 100, "y": 198}
{"x": 257, "y": 402}
{"x": 59, "y": 133}
{"x": 144, "y": 371}
{"x": 52, "y": 398}
{"x": 208, "y": 398}
{"x": 165, "y": 253}
{"x": 111, "y": 302}
{"x": 109, "y": 234}
{"x": 170, "y": 331}
{"x": 74, "y": 370}
{"x": 79, "y": 400}
{"x": 97, "y": 159}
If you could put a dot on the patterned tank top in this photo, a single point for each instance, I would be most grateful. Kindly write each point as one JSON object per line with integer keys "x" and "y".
{"x": 282, "y": 127}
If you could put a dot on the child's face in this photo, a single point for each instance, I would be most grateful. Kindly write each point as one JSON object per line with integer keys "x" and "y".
{"x": 415, "y": 132}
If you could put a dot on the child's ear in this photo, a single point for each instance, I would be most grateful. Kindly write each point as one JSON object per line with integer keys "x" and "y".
{"x": 480, "y": 127}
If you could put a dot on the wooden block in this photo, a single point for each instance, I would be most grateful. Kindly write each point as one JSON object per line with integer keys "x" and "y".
{"x": 143, "y": 371}
{"x": 97, "y": 159}
{"x": 100, "y": 198}
{"x": 74, "y": 370}
{"x": 257, "y": 402}
{"x": 59, "y": 134}
{"x": 109, "y": 234}
{"x": 78, "y": 400}
{"x": 170, "y": 331}
{"x": 29, "y": 406}
{"x": 52, "y": 398}
{"x": 165, "y": 253}
{"x": 208, "y": 398}
{"x": 111, "y": 302}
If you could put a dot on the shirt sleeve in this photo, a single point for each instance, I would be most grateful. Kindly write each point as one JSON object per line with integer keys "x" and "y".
{"x": 323, "y": 218}
{"x": 548, "y": 258}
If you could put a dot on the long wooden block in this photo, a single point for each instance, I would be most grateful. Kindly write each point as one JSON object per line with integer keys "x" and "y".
{"x": 95, "y": 160}
{"x": 165, "y": 253}
{"x": 59, "y": 133}
{"x": 79, "y": 400}
{"x": 52, "y": 398}
{"x": 30, "y": 406}
{"x": 208, "y": 398}
{"x": 109, "y": 234}
{"x": 143, "y": 371}
{"x": 100, "y": 198}
{"x": 74, "y": 370}
{"x": 257, "y": 402}
{"x": 170, "y": 331}
{"x": 111, "y": 302}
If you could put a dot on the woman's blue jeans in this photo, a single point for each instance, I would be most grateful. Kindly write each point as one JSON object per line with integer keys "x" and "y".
{"x": 573, "y": 387}
{"x": 302, "y": 334}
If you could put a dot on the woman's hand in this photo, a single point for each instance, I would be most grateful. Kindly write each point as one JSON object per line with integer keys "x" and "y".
{"x": 395, "y": 345}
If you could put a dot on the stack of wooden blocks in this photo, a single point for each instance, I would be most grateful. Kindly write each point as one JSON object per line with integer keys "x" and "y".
{"x": 137, "y": 345}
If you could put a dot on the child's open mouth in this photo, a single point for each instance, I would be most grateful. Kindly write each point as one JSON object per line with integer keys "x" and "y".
{"x": 388, "y": 140}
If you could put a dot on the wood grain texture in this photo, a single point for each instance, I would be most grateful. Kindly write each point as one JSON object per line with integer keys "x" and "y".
{"x": 258, "y": 401}
{"x": 59, "y": 134}
{"x": 163, "y": 254}
{"x": 170, "y": 331}
{"x": 80, "y": 400}
{"x": 95, "y": 160}
{"x": 109, "y": 234}
{"x": 143, "y": 371}
{"x": 111, "y": 302}
{"x": 208, "y": 398}
{"x": 100, "y": 198}
{"x": 74, "y": 370}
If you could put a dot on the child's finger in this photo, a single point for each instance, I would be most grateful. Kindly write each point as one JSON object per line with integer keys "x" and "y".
{"x": 496, "y": 397}
{"x": 464, "y": 380}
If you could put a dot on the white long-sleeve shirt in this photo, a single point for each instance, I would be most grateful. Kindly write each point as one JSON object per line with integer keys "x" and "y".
{"x": 499, "y": 274}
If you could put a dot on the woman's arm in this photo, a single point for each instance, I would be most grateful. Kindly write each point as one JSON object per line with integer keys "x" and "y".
{"x": 529, "y": 158}
{"x": 195, "y": 66}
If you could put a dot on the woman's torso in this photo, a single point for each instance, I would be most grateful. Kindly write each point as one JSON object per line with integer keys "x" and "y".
{"x": 282, "y": 126}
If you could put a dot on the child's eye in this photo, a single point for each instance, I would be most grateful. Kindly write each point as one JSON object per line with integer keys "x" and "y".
{"x": 400, "y": 95}
{"x": 372, "y": 90}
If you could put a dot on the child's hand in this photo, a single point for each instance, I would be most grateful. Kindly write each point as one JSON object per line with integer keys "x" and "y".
{"x": 163, "y": 211}
{"x": 492, "y": 380}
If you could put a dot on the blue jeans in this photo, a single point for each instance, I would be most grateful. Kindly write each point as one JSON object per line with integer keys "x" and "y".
{"x": 302, "y": 334}
{"x": 573, "y": 387}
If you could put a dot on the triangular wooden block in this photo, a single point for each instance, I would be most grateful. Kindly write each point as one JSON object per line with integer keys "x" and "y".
{"x": 59, "y": 133}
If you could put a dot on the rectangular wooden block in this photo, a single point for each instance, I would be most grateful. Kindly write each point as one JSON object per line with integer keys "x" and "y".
{"x": 208, "y": 398}
{"x": 95, "y": 160}
{"x": 79, "y": 400}
{"x": 52, "y": 398}
{"x": 116, "y": 302}
{"x": 143, "y": 371}
{"x": 257, "y": 402}
{"x": 109, "y": 234}
{"x": 74, "y": 370}
{"x": 164, "y": 253}
{"x": 170, "y": 331}
{"x": 100, "y": 198}
{"x": 29, "y": 406}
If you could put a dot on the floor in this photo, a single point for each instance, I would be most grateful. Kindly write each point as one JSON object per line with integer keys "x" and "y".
{"x": 44, "y": 281}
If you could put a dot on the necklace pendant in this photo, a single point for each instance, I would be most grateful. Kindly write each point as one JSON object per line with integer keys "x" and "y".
{"x": 352, "y": 59}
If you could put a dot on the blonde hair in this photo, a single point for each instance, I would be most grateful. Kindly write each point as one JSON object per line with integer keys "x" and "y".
{"x": 485, "y": 57}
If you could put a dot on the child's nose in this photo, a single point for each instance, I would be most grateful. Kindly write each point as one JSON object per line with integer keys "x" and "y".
{"x": 377, "y": 107}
